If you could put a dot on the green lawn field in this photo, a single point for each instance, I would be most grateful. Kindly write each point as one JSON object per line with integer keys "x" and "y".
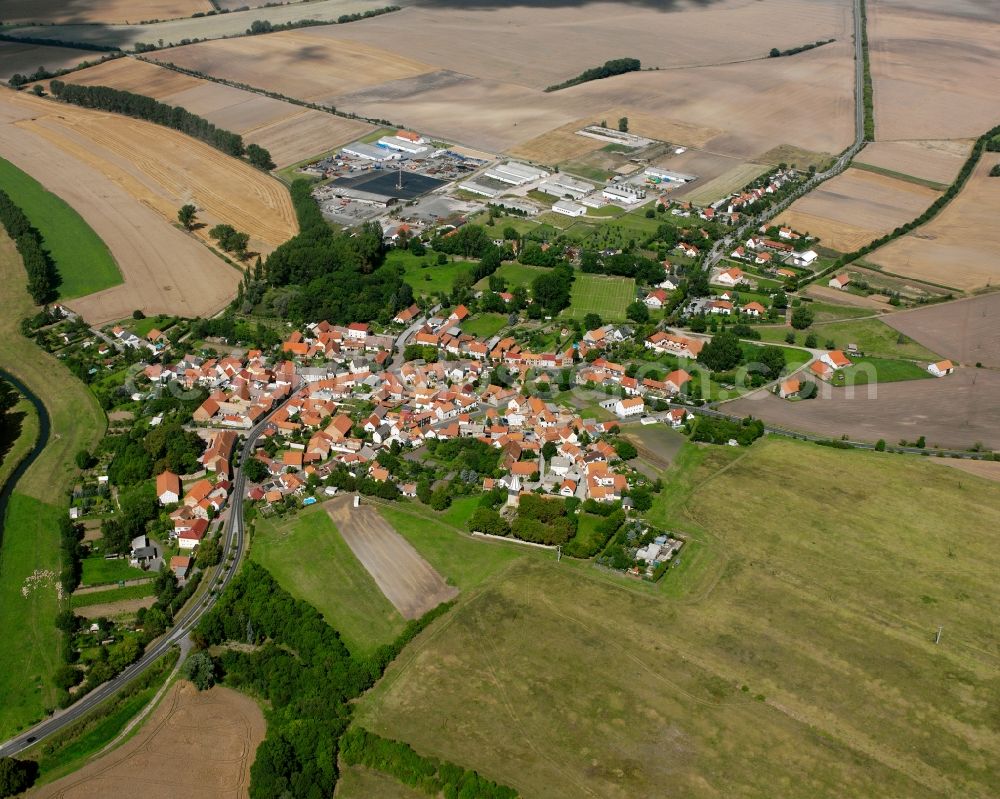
{"x": 142, "y": 327}
{"x": 30, "y": 653}
{"x": 308, "y": 556}
{"x": 485, "y": 325}
{"x": 606, "y": 296}
{"x": 883, "y": 370}
{"x": 515, "y": 274}
{"x": 98, "y": 571}
{"x": 791, "y": 653}
{"x": 124, "y": 594}
{"x": 423, "y": 272}
{"x": 873, "y": 337}
{"x": 84, "y": 262}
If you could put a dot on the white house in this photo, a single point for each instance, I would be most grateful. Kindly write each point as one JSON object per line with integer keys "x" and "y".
{"x": 656, "y": 299}
{"x": 729, "y": 277}
{"x": 836, "y": 359}
{"x": 941, "y": 368}
{"x": 168, "y": 488}
{"x": 804, "y": 258}
{"x": 627, "y": 408}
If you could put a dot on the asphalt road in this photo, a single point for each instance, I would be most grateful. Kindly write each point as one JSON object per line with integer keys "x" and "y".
{"x": 234, "y": 545}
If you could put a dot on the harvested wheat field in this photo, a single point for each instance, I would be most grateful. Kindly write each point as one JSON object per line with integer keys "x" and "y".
{"x": 196, "y": 744}
{"x": 935, "y": 68}
{"x": 538, "y": 45}
{"x": 934, "y": 160}
{"x": 408, "y": 581}
{"x": 856, "y": 207}
{"x": 966, "y": 331}
{"x": 713, "y": 184}
{"x": 82, "y": 11}
{"x": 165, "y": 169}
{"x": 300, "y": 63}
{"x": 16, "y": 57}
{"x": 165, "y": 270}
{"x": 876, "y": 302}
{"x": 290, "y": 132}
{"x": 954, "y": 412}
{"x": 960, "y": 247}
{"x": 989, "y": 470}
{"x": 560, "y": 145}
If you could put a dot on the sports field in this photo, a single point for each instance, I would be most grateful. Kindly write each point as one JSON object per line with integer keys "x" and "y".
{"x": 606, "y": 296}
{"x": 788, "y": 655}
{"x": 85, "y": 265}
{"x": 309, "y": 558}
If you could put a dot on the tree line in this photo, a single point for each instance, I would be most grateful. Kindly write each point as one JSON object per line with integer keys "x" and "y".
{"x": 43, "y": 277}
{"x": 104, "y": 98}
{"x": 616, "y": 66}
{"x": 776, "y": 53}
{"x": 302, "y": 668}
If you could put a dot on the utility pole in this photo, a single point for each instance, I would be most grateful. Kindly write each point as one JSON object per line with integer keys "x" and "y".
{"x": 937, "y": 638}
{"x": 558, "y": 553}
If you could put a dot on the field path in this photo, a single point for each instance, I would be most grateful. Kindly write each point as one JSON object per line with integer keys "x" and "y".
{"x": 401, "y": 573}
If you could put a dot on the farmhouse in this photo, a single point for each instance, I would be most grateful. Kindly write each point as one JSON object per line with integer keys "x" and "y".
{"x": 821, "y": 370}
{"x": 723, "y": 307}
{"x": 567, "y": 208}
{"x": 676, "y": 381}
{"x": 729, "y": 277}
{"x": 754, "y": 309}
{"x": 168, "y": 488}
{"x": 656, "y": 299}
{"x": 676, "y": 345}
{"x": 941, "y": 368}
{"x": 789, "y": 388}
{"x": 839, "y": 282}
{"x": 836, "y": 359}
{"x": 626, "y": 408}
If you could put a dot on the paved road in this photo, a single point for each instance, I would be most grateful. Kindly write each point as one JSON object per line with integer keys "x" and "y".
{"x": 234, "y": 544}
{"x": 723, "y": 246}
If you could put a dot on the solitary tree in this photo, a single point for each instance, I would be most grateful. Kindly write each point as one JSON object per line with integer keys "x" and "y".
{"x": 623, "y": 124}
{"x": 186, "y": 215}
{"x": 200, "y": 669}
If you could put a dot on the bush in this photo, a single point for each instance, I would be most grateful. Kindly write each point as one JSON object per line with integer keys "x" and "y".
{"x": 16, "y": 776}
{"x": 802, "y": 317}
{"x": 200, "y": 669}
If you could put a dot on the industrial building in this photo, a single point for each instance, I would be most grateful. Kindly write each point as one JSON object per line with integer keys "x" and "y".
{"x": 561, "y": 185}
{"x": 624, "y": 192}
{"x": 370, "y": 152}
{"x": 515, "y": 174}
{"x": 480, "y": 188}
{"x": 657, "y": 174}
{"x": 568, "y": 208}
{"x": 403, "y": 145}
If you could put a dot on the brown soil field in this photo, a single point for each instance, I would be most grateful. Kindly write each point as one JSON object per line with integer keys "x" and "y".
{"x": 966, "y": 331}
{"x": 541, "y": 45}
{"x": 300, "y": 63}
{"x": 838, "y": 297}
{"x": 560, "y": 145}
{"x": 79, "y": 11}
{"x": 196, "y": 744}
{"x": 961, "y": 246}
{"x": 291, "y": 133}
{"x": 856, "y": 207}
{"x": 954, "y": 412}
{"x": 26, "y": 58}
{"x": 935, "y": 160}
{"x": 165, "y": 169}
{"x": 935, "y": 67}
{"x": 406, "y": 579}
{"x": 988, "y": 469}
{"x": 165, "y": 270}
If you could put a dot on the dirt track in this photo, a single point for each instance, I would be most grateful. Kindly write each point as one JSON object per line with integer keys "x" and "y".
{"x": 196, "y": 745}
{"x": 406, "y": 579}
{"x": 951, "y": 412}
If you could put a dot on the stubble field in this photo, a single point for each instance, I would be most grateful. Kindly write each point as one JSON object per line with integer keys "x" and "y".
{"x": 165, "y": 270}
{"x": 26, "y": 58}
{"x": 935, "y": 160}
{"x": 856, "y": 207}
{"x": 967, "y": 331}
{"x": 88, "y": 11}
{"x": 291, "y": 133}
{"x": 961, "y": 246}
{"x": 198, "y": 744}
{"x": 789, "y": 655}
{"x": 934, "y": 68}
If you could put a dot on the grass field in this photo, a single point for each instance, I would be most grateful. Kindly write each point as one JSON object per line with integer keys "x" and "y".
{"x": 18, "y": 433}
{"x": 424, "y": 274}
{"x": 790, "y": 654}
{"x": 485, "y": 325}
{"x": 606, "y": 296}
{"x": 30, "y": 541}
{"x": 98, "y": 571}
{"x": 85, "y": 265}
{"x": 308, "y": 556}
{"x": 142, "y": 327}
{"x": 358, "y": 782}
{"x": 515, "y": 274}
{"x": 873, "y": 337}
{"x": 113, "y": 595}
{"x": 884, "y": 370}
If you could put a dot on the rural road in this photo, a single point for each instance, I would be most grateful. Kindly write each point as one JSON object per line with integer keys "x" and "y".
{"x": 843, "y": 161}
{"x": 234, "y": 545}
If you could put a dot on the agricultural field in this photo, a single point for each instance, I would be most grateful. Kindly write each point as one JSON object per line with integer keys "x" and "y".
{"x": 406, "y": 579}
{"x": 967, "y": 331}
{"x": 795, "y": 662}
{"x": 872, "y": 302}
{"x": 204, "y": 742}
{"x": 606, "y": 296}
{"x": 291, "y": 133}
{"x": 174, "y": 31}
{"x": 873, "y": 337}
{"x": 85, "y": 265}
{"x": 954, "y": 412}
{"x": 310, "y": 559}
{"x": 559, "y": 145}
{"x": 936, "y": 160}
{"x": 131, "y": 200}
{"x": 933, "y": 68}
{"x": 709, "y": 188}
{"x": 16, "y": 57}
{"x": 961, "y": 246}
{"x": 856, "y": 207}
{"x": 61, "y": 12}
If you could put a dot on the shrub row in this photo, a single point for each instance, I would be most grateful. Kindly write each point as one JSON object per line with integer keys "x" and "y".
{"x": 616, "y": 66}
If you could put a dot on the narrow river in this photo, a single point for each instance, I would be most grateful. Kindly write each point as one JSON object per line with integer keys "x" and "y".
{"x": 44, "y": 429}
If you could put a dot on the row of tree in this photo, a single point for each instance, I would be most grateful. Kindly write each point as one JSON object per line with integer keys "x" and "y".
{"x": 139, "y": 106}
{"x": 43, "y": 277}
{"x": 616, "y": 66}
